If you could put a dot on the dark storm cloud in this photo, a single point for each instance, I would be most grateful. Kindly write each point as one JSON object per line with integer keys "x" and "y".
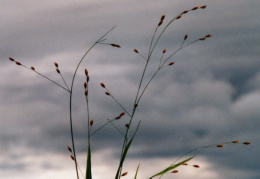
{"x": 210, "y": 95}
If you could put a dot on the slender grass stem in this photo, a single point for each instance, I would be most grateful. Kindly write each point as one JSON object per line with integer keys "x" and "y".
{"x": 64, "y": 81}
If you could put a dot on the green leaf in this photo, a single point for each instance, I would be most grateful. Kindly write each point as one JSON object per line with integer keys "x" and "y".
{"x": 137, "y": 171}
{"x": 125, "y": 153}
{"x": 88, "y": 170}
{"x": 171, "y": 167}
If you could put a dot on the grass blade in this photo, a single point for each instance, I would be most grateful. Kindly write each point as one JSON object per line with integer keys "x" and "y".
{"x": 137, "y": 171}
{"x": 171, "y": 167}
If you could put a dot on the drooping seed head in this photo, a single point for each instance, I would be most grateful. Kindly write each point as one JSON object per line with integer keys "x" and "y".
{"x": 69, "y": 149}
{"x": 57, "y": 70}
{"x": 18, "y": 63}
{"x": 136, "y": 51}
{"x": 164, "y": 51}
{"x": 203, "y": 7}
{"x": 86, "y": 92}
{"x": 107, "y": 93}
{"x": 195, "y": 8}
{"x": 11, "y": 59}
{"x": 247, "y": 143}
{"x": 71, "y": 156}
{"x": 175, "y": 171}
{"x": 235, "y": 141}
{"x": 171, "y": 63}
{"x": 186, "y": 36}
{"x": 32, "y": 68}
{"x": 56, "y": 64}
{"x": 124, "y": 174}
{"x": 103, "y": 85}
{"x": 196, "y": 166}
{"x": 91, "y": 122}
{"x": 220, "y": 145}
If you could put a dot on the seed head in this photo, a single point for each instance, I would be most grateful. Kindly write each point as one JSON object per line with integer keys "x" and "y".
{"x": 115, "y": 45}
{"x": 246, "y": 143}
{"x": 196, "y": 166}
{"x": 86, "y": 72}
{"x": 235, "y": 141}
{"x": 175, "y": 171}
{"x": 184, "y": 12}
{"x": 86, "y": 92}
{"x": 186, "y": 36}
{"x": 102, "y": 84}
{"x": 178, "y": 17}
{"x": 69, "y": 149}
{"x": 135, "y": 105}
{"x": 136, "y": 51}
{"x": 127, "y": 125}
{"x": 107, "y": 93}
{"x": 85, "y": 85}
{"x": 57, "y": 70}
{"x": 160, "y": 23}
{"x": 208, "y": 36}
{"x": 91, "y": 122}
{"x": 56, "y": 64}
{"x": 123, "y": 113}
{"x": 124, "y": 174}
{"x": 171, "y": 63}
{"x": 202, "y": 38}
{"x": 18, "y": 63}
{"x": 195, "y": 8}
{"x": 220, "y": 145}
{"x": 32, "y": 68}
{"x": 162, "y": 18}
{"x": 203, "y": 7}
{"x": 10, "y": 58}
{"x": 71, "y": 156}
{"x": 87, "y": 78}
{"x": 164, "y": 51}
{"x": 185, "y": 164}
{"x": 118, "y": 117}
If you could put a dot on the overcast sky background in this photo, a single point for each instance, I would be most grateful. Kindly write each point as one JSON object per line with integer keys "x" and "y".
{"x": 210, "y": 95}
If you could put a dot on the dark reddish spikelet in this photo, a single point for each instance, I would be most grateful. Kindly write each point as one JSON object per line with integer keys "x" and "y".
{"x": 135, "y": 105}
{"x": 186, "y": 36}
{"x": 123, "y": 113}
{"x": 171, "y": 63}
{"x": 220, "y": 145}
{"x": 86, "y": 92}
{"x": 136, "y": 51}
{"x": 185, "y": 164}
{"x": 124, "y": 174}
{"x": 202, "y": 38}
{"x": 127, "y": 125}
{"x": 102, "y": 84}
{"x": 91, "y": 122}
{"x": 32, "y": 68}
{"x": 107, "y": 93}
{"x": 71, "y": 156}
{"x": 160, "y": 23}
{"x": 203, "y": 7}
{"x": 87, "y": 78}
{"x": 115, "y": 45}
{"x": 184, "y": 12}
{"x": 86, "y": 72}
{"x": 246, "y": 143}
{"x": 69, "y": 149}
{"x": 164, "y": 51}
{"x": 118, "y": 117}
{"x": 11, "y": 59}
{"x": 196, "y": 166}
{"x": 57, "y": 70}
{"x": 208, "y": 36}
{"x": 162, "y": 18}
{"x": 18, "y": 63}
{"x": 85, "y": 85}
{"x": 175, "y": 171}
{"x": 195, "y": 8}
{"x": 56, "y": 64}
{"x": 235, "y": 141}
{"x": 178, "y": 17}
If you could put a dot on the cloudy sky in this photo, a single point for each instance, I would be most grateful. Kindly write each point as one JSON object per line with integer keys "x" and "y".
{"x": 209, "y": 96}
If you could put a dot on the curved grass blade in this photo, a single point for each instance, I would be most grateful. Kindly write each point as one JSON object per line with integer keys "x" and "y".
{"x": 137, "y": 171}
{"x": 171, "y": 167}
{"x": 125, "y": 153}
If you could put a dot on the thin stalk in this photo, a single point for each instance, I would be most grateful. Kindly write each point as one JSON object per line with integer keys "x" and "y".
{"x": 64, "y": 81}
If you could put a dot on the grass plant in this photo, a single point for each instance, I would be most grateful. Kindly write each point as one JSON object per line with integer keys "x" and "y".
{"x": 128, "y": 138}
